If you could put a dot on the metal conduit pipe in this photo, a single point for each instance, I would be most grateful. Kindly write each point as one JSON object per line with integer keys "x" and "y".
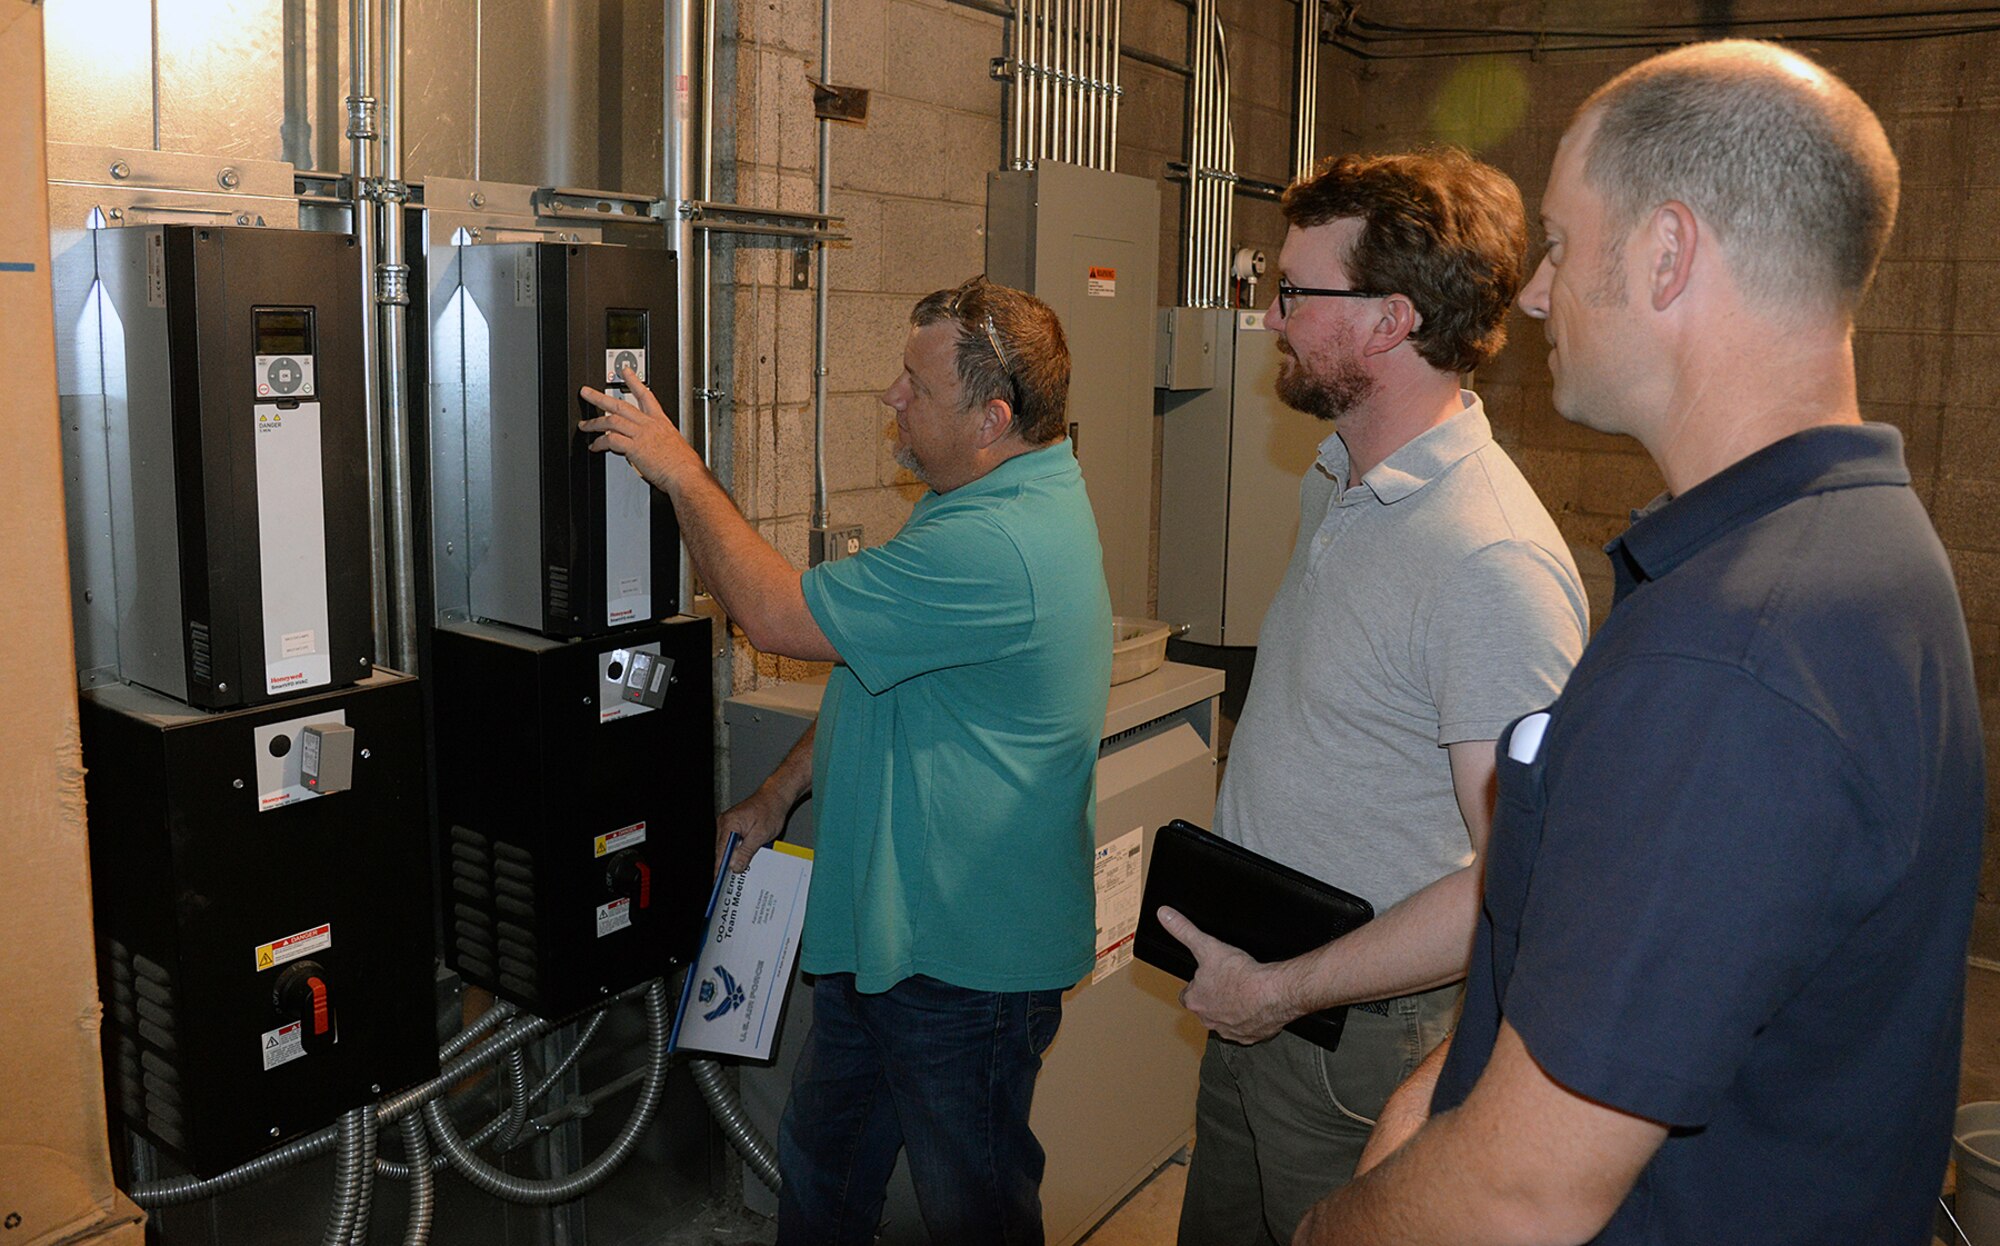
{"x": 361, "y": 141}
{"x": 514, "y": 1075}
{"x": 1041, "y": 79}
{"x": 1096, "y": 45}
{"x": 392, "y": 297}
{"x": 1116, "y": 50}
{"x": 178, "y": 1191}
{"x": 819, "y": 515}
{"x": 727, "y": 1109}
{"x": 705, "y": 387}
{"x": 1305, "y": 92}
{"x": 492, "y": 1180}
{"x": 354, "y": 1164}
{"x": 364, "y": 1201}
{"x": 485, "y": 1021}
{"x": 423, "y": 1186}
{"x": 1191, "y": 196}
{"x": 1225, "y": 189}
{"x": 491, "y": 1129}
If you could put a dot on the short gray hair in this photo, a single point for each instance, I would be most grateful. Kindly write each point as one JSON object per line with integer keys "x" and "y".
{"x": 1011, "y": 346}
{"x": 1781, "y": 157}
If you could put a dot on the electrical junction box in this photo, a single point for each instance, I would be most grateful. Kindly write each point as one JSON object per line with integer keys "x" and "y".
{"x": 1231, "y": 458}
{"x": 216, "y": 461}
{"x": 265, "y": 951}
{"x": 531, "y": 528}
{"x": 576, "y": 801}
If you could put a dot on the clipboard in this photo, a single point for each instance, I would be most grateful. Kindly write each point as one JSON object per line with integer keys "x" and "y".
{"x": 1270, "y": 910}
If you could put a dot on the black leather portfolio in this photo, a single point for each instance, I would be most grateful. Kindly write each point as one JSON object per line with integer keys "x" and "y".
{"x": 1271, "y": 911}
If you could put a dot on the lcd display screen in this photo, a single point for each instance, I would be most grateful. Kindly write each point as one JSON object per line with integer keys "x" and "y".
{"x": 624, "y": 330}
{"x": 284, "y": 331}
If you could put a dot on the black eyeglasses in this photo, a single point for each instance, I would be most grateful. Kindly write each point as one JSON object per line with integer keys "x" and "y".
{"x": 1289, "y": 294}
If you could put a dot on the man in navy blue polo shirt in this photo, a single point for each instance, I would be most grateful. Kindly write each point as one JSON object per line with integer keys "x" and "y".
{"x": 1717, "y": 987}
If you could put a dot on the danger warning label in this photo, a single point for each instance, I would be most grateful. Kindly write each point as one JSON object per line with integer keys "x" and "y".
{"x": 1103, "y": 283}
{"x": 624, "y": 837}
{"x": 291, "y": 947}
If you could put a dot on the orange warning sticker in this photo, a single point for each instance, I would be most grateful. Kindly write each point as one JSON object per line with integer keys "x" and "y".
{"x": 1103, "y": 282}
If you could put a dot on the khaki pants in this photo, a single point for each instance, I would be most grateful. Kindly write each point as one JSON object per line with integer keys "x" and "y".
{"x": 1280, "y": 1124}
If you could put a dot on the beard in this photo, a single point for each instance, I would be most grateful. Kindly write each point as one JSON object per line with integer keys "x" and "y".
{"x": 906, "y": 458}
{"x": 1325, "y": 392}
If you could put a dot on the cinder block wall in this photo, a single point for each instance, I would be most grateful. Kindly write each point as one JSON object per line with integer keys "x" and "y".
{"x": 911, "y": 183}
{"x": 911, "y": 186}
{"x": 1925, "y": 342}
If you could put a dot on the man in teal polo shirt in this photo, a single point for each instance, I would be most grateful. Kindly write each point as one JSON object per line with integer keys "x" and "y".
{"x": 953, "y": 782}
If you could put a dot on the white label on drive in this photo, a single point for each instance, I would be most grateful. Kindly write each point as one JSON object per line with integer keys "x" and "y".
{"x": 291, "y": 544}
{"x": 614, "y": 916}
{"x": 284, "y": 1045}
{"x": 624, "y": 837}
{"x": 299, "y": 644}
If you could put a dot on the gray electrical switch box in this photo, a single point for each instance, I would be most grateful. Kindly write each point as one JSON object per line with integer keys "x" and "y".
{"x": 326, "y": 757}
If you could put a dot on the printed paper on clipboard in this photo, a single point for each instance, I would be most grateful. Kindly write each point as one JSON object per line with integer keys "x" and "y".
{"x": 735, "y": 990}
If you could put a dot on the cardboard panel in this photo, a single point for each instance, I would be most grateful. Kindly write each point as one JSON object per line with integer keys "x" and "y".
{"x": 55, "y": 1165}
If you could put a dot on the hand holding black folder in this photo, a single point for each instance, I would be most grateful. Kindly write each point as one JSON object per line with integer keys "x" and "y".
{"x": 1271, "y": 911}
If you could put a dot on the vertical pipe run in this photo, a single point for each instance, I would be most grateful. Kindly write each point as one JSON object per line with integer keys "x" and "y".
{"x": 819, "y": 516}
{"x": 1306, "y": 91}
{"x": 1117, "y": 33}
{"x": 361, "y": 137}
{"x": 295, "y": 135}
{"x": 1225, "y": 190}
{"x": 680, "y": 181}
{"x": 392, "y": 295}
{"x": 1065, "y": 94}
{"x": 705, "y": 249}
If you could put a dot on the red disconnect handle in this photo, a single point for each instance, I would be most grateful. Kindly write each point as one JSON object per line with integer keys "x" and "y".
{"x": 645, "y": 884}
{"x": 318, "y": 989}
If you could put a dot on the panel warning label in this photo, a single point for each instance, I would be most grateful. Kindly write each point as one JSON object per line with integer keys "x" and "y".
{"x": 624, "y": 837}
{"x": 291, "y": 947}
{"x": 1103, "y": 283}
{"x": 284, "y": 1045}
{"x": 614, "y": 916}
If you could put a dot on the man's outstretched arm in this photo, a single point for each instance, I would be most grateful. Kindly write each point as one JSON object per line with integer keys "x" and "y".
{"x": 758, "y": 588}
{"x": 1522, "y": 1162}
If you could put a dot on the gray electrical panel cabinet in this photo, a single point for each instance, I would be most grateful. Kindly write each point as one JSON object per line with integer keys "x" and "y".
{"x": 1087, "y": 243}
{"x": 1231, "y": 459}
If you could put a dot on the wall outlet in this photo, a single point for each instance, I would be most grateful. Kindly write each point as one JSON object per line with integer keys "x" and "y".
{"x": 834, "y": 544}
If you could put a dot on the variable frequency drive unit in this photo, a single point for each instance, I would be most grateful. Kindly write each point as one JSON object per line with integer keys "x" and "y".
{"x": 531, "y": 528}
{"x": 217, "y": 462}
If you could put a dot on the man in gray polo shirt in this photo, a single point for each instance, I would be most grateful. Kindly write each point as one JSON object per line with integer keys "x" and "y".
{"x": 1429, "y": 601}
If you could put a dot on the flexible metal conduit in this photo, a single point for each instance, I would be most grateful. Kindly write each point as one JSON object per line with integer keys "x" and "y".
{"x": 423, "y": 1186}
{"x": 727, "y": 1108}
{"x": 492, "y": 1180}
{"x": 178, "y": 1191}
{"x": 353, "y": 1177}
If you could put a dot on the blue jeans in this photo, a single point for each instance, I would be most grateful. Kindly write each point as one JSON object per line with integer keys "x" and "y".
{"x": 944, "y": 1072}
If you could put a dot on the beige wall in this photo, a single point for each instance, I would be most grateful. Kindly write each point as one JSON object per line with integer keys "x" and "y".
{"x": 911, "y": 183}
